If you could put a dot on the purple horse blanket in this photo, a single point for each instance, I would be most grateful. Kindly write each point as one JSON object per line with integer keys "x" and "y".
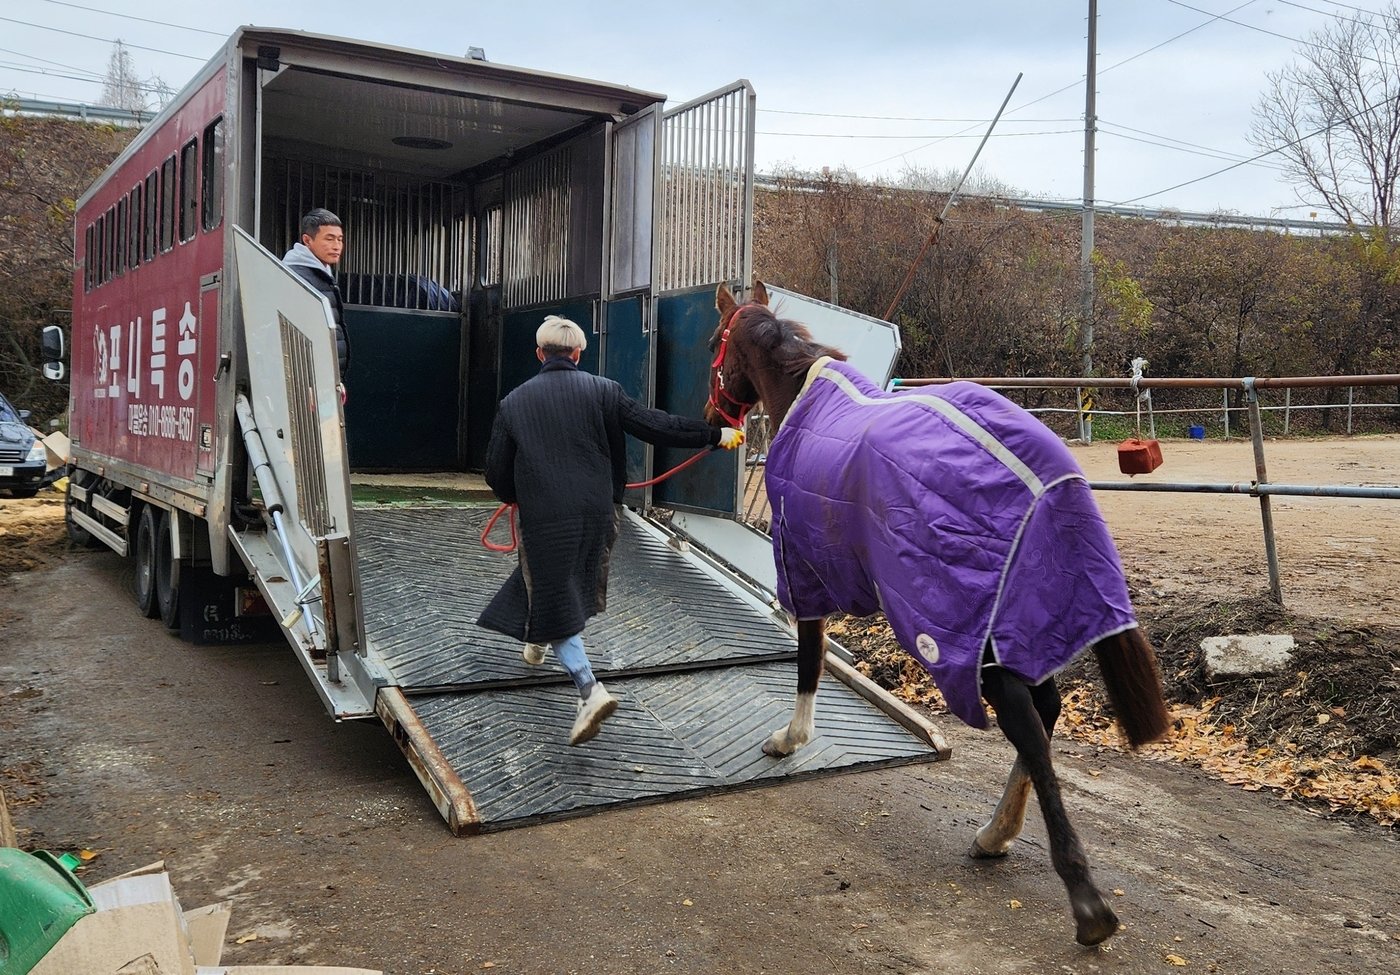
{"x": 954, "y": 511}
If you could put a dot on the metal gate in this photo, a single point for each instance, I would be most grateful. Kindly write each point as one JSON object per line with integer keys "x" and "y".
{"x": 705, "y": 238}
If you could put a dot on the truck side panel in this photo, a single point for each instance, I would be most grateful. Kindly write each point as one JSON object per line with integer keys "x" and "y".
{"x": 144, "y": 348}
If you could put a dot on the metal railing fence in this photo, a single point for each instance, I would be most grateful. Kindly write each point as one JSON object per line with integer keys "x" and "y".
{"x": 754, "y": 509}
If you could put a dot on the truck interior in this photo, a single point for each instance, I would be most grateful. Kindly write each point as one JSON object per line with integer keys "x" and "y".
{"x": 468, "y": 217}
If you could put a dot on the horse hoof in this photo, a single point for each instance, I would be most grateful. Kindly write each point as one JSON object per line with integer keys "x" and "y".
{"x": 1094, "y": 923}
{"x": 978, "y": 853}
{"x": 774, "y": 750}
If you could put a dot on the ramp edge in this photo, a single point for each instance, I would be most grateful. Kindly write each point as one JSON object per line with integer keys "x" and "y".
{"x": 446, "y": 789}
{"x": 895, "y": 709}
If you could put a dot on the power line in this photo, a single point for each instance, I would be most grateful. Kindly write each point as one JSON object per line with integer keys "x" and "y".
{"x": 34, "y": 57}
{"x": 1239, "y": 23}
{"x": 1193, "y": 152}
{"x": 1119, "y": 64}
{"x": 956, "y": 135}
{"x": 113, "y": 13}
{"x": 105, "y": 40}
{"x": 1332, "y": 13}
{"x": 1167, "y": 142}
{"x": 96, "y": 80}
{"x": 909, "y": 118}
{"x": 1268, "y": 152}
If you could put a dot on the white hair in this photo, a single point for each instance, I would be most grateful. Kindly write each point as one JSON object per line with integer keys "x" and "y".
{"x": 560, "y": 333}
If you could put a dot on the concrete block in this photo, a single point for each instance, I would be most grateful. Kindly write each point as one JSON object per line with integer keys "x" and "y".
{"x": 1227, "y": 656}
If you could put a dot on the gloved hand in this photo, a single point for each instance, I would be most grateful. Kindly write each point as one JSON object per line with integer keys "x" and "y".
{"x": 729, "y": 438}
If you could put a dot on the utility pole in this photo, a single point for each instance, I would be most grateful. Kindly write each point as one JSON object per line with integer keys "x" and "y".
{"x": 1086, "y": 246}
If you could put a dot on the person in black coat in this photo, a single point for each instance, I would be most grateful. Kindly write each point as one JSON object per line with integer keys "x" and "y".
{"x": 558, "y": 451}
{"x": 313, "y": 259}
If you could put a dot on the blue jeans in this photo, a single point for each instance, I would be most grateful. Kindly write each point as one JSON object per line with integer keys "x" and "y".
{"x": 575, "y": 660}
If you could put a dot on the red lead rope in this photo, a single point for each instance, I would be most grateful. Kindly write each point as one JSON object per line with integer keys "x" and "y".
{"x": 515, "y": 538}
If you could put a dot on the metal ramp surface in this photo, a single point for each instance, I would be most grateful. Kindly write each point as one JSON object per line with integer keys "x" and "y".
{"x": 425, "y": 578}
{"x": 701, "y": 666}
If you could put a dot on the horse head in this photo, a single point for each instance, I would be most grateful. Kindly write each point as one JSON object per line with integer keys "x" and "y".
{"x": 757, "y": 357}
{"x": 733, "y": 389}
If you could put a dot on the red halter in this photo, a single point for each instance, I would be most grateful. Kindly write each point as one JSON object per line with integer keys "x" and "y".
{"x": 717, "y": 384}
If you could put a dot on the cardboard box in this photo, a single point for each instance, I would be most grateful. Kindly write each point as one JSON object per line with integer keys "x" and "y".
{"x": 139, "y": 929}
{"x": 57, "y": 447}
{"x": 135, "y": 917}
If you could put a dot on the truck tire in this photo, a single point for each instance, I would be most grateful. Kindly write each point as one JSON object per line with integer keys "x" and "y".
{"x": 167, "y": 574}
{"x": 145, "y": 554}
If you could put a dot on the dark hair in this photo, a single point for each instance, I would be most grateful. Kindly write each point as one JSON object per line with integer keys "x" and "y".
{"x": 553, "y": 350}
{"x": 314, "y": 220}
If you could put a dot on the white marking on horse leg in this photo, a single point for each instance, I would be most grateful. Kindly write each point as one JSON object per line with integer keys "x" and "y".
{"x": 798, "y": 731}
{"x": 995, "y": 838}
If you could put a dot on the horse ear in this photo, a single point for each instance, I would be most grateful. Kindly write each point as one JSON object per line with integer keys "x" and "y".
{"x": 759, "y": 296}
{"x": 724, "y": 300}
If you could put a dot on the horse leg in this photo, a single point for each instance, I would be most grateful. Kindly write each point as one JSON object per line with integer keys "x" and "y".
{"x": 811, "y": 654}
{"x": 1016, "y": 714}
{"x": 995, "y": 838}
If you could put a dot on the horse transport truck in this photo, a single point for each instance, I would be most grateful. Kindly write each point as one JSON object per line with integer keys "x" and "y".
{"x": 211, "y": 445}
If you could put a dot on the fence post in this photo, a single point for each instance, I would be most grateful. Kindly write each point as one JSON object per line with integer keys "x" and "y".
{"x": 1261, "y": 476}
{"x": 1225, "y": 393}
{"x": 1287, "y": 407}
{"x": 1350, "y": 391}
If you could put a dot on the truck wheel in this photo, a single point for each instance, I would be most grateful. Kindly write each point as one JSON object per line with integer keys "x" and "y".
{"x": 145, "y": 554}
{"x": 167, "y": 574}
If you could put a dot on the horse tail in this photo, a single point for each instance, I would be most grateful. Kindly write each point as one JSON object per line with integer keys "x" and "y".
{"x": 1129, "y": 667}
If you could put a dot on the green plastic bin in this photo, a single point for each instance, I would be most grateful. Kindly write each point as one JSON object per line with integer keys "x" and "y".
{"x": 40, "y": 900}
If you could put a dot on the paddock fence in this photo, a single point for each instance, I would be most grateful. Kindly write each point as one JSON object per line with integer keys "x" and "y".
{"x": 1229, "y": 407}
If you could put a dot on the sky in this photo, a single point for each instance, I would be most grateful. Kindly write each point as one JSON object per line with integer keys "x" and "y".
{"x": 879, "y": 87}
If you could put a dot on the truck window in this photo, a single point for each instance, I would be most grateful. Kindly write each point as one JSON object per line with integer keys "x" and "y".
{"x": 109, "y": 242}
{"x": 133, "y": 237}
{"x": 212, "y": 185}
{"x": 189, "y": 188}
{"x": 119, "y": 240}
{"x": 167, "y": 204}
{"x": 151, "y": 220}
{"x": 87, "y": 258}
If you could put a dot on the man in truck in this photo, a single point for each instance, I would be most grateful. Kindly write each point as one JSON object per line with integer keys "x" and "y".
{"x": 313, "y": 259}
{"x": 558, "y": 451}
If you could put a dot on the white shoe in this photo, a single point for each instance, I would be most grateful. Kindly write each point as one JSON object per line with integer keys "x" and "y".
{"x": 533, "y": 654}
{"x": 592, "y": 712}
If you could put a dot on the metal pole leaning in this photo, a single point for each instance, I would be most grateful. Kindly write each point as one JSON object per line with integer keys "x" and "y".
{"x": 1261, "y": 476}
{"x": 947, "y": 205}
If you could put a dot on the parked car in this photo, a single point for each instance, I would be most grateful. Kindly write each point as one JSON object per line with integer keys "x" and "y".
{"x": 22, "y": 457}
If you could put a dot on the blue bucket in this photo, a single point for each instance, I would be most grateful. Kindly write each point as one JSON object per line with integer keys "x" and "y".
{"x": 1197, "y": 433}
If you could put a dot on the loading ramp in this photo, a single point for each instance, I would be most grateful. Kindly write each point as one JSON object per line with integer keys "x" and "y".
{"x": 379, "y": 602}
{"x": 702, "y": 667}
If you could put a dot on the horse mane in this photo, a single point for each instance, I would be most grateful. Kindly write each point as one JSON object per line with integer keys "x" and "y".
{"x": 787, "y": 343}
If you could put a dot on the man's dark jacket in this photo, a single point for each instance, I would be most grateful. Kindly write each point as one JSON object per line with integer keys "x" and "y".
{"x": 301, "y": 262}
{"x": 558, "y": 451}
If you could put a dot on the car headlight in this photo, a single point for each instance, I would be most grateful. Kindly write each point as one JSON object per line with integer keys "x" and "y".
{"x": 37, "y": 454}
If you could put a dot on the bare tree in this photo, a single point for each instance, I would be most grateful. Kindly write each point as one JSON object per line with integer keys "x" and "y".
{"x": 1334, "y": 114}
{"x": 122, "y": 87}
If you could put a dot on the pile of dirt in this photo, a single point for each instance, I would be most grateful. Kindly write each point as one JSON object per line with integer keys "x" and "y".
{"x": 1324, "y": 729}
{"x": 32, "y": 534}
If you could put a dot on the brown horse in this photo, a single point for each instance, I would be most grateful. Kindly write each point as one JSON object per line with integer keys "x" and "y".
{"x": 969, "y": 524}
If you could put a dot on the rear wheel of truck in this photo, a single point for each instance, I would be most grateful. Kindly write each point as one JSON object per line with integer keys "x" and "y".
{"x": 167, "y": 574}
{"x": 145, "y": 554}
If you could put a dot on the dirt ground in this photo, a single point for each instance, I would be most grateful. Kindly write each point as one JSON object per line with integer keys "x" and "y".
{"x": 117, "y": 738}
